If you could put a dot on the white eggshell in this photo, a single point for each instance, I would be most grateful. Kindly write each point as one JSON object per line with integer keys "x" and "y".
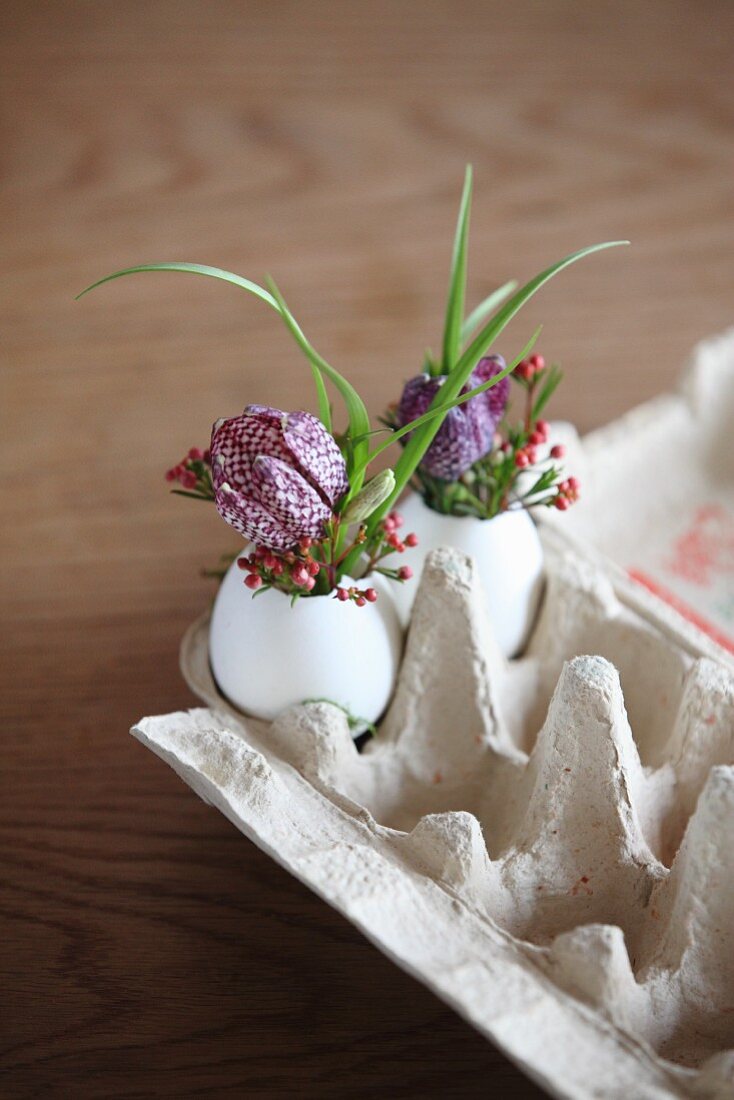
{"x": 509, "y": 557}
{"x": 266, "y": 654}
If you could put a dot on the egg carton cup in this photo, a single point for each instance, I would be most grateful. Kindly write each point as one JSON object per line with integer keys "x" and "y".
{"x": 544, "y": 842}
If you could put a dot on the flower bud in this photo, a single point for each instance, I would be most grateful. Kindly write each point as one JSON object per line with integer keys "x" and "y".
{"x": 374, "y": 493}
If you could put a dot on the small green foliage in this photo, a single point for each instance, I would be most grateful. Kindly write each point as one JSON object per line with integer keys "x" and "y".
{"x": 457, "y": 281}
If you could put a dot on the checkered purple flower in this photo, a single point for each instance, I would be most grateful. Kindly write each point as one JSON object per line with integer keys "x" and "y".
{"x": 277, "y": 476}
{"x": 467, "y": 432}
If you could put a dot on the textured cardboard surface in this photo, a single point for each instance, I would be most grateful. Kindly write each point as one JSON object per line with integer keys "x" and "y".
{"x": 543, "y": 842}
{"x": 659, "y": 492}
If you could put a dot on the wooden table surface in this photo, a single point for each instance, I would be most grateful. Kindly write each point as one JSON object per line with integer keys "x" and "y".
{"x": 145, "y": 947}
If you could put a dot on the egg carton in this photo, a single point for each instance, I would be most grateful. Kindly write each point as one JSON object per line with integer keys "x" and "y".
{"x": 659, "y": 492}
{"x": 544, "y": 842}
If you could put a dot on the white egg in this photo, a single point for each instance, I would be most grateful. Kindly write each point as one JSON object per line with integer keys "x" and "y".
{"x": 509, "y": 557}
{"x": 266, "y": 654}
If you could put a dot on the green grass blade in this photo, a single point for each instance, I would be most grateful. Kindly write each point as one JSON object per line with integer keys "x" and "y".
{"x": 419, "y": 421}
{"x": 192, "y": 269}
{"x": 483, "y": 310}
{"x": 550, "y": 384}
{"x": 457, "y": 281}
{"x": 236, "y": 280}
{"x": 422, "y": 438}
{"x": 359, "y": 421}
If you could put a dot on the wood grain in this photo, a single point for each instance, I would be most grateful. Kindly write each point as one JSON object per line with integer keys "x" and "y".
{"x": 145, "y": 948}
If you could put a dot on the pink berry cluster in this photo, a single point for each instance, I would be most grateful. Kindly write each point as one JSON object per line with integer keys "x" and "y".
{"x": 568, "y": 493}
{"x": 360, "y": 596}
{"x": 527, "y": 455}
{"x": 386, "y": 541}
{"x": 194, "y": 473}
{"x": 294, "y": 571}
{"x": 313, "y": 566}
{"x": 527, "y": 370}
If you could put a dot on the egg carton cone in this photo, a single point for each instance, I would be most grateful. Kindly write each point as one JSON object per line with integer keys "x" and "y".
{"x": 544, "y": 842}
{"x": 658, "y": 492}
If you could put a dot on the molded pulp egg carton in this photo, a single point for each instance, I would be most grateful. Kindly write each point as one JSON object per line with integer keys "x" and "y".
{"x": 545, "y": 842}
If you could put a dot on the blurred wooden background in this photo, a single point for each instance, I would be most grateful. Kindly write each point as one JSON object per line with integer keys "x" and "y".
{"x": 145, "y": 948}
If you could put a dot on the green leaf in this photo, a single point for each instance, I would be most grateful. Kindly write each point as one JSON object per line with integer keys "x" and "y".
{"x": 419, "y": 421}
{"x": 359, "y": 421}
{"x": 483, "y": 310}
{"x": 193, "y": 496}
{"x": 457, "y": 281}
{"x": 422, "y": 438}
{"x": 236, "y": 280}
{"x": 193, "y": 269}
{"x": 548, "y": 387}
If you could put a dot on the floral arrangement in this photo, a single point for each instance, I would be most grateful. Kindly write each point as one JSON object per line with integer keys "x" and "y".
{"x": 278, "y": 478}
{"x": 481, "y": 463}
{"x": 298, "y": 491}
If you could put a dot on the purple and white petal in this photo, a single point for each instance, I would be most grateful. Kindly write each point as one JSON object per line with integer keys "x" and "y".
{"x": 467, "y": 431}
{"x": 457, "y": 446}
{"x": 317, "y": 454}
{"x": 267, "y": 411}
{"x": 236, "y": 443}
{"x": 289, "y": 498}
{"x": 417, "y": 395}
{"x": 498, "y": 395}
{"x": 251, "y": 520}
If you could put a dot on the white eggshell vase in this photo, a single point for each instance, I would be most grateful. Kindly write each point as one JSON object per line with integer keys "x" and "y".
{"x": 509, "y": 557}
{"x": 267, "y": 655}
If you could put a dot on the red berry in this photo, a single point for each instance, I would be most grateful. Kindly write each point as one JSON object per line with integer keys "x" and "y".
{"x": 310, "y": 584}
{"x": 536, "y": 438}
{"x": 543, "y": 427}
{"x": 360, "y": 601}
{"x": 573, "y": 484}
{"x": 188, "y": 479}
{"x": 299, "y": 575}
{"x": 313, "y": 567}
{"x": 411, "y": 539}
{"x": 253, "y": 581}
{"x": 524, "y": 370}
{"x": 562, "y": 503}
{"x": 397, "y": 519}
{"x": 196, "y": 454}
{"x": 305, "y": 543}
{"x": 522, "y": 459}
{"x": 532, "y": 455}
{"x": 537, "y": 362}
{"x": 278, "y": 567}
{"x": 370, "y": 595}
{"x": 171, "y": 475}
{"x": 243, "y": 563}
{"x": 342, "y": 594}
{"x": 405, "y": 573}
{"x": 558, "y": 451}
